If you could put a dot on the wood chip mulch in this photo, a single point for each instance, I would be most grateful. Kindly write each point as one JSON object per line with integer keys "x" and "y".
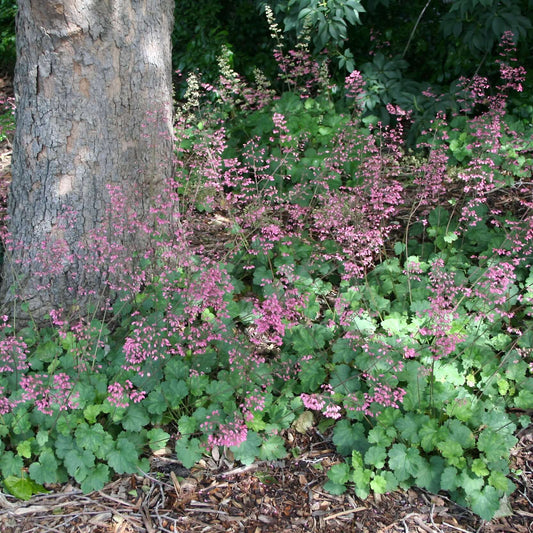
{"x": 264, "y": 497}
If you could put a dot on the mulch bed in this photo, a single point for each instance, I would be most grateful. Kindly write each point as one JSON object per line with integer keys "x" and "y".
{"x": 278, "y": 496}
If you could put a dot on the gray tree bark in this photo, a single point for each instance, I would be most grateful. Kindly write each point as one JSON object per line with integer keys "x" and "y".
{"x": 94, "y": 110}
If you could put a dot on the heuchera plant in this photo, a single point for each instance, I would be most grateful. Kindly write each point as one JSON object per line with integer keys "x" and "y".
{"x": 300, "y": 264}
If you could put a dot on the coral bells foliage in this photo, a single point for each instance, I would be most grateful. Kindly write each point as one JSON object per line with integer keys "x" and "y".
{"x": 432, "y": 178}
{"x": 442, "y": 312}
{"x": 488, "y": 131}
{"x": 275, "y": 315}
{"x": 298, "y": 260}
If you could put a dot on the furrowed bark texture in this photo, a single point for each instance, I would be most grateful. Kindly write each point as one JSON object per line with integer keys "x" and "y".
{"x": 94, "y": 109}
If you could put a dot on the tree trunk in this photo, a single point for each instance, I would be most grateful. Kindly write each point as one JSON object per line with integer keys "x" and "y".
{"x": 92, "y": 148}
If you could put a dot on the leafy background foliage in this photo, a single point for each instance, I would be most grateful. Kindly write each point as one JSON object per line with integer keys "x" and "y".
{"x": 8, "y": 9}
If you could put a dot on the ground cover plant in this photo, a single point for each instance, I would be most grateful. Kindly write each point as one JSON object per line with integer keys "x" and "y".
{"x": 304, "y": 268}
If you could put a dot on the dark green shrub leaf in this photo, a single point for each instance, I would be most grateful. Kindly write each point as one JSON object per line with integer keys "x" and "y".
{"x": 95, "y": 439}
{"x": 449, "y": 479}
{"x": 79, "y": 463}
{"x": 429, "y": 473}
{"x": 405, "y": 462}
{"x": 376, "y": 456}
{"x": 273, "y": 448}
{"x": 248, "y": 451}
{"x": 348, "y": 437}
{"x": 124, "y": 459}
{"x": 46, "y": 470}
{"x": 11, "y": 465}
{"x": 96, "y": 478}
{"x": 155, "y": 403}
{"x": 189, "y": 451}
{"x": 339, "y": 474}
{"x": 135, "y": 419}
{"x": 334, "y": 488}
{"x": 495, "y": 444}
{"x": 382, "y": 435}
{"x": 157, "y": 439}
{"x": 484, "y": 502}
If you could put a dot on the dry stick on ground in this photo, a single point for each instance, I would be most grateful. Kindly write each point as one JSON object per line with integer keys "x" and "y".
{"x": 343, "y": 513}
{"x": 455, "y": 527}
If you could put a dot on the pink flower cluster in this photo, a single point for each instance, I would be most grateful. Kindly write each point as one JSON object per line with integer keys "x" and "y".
{"x": 120, "y": 394}
{"x": 381, "y": 395}
{"x": 13, "y": 350}
{"x": 442, "y": 311}
{"x": 147, "y": 342}
{"x": 232, "y": 433}
{"x": 6, "y": 404}
{"x": 355, "y": 88}
{"x": 299, "y": 70}
{"x": 49, "y": 392}
{"x": 320, "y": 402}
{"x": 274, "y": 315}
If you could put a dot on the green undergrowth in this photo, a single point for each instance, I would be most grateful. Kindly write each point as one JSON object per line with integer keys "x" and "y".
{"x": 452, "y": 431}
{"x": 398, "y": 326}
{"x": 7, "y": 124}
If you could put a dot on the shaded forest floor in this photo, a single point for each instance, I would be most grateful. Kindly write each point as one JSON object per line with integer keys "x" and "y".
{"x": 286, "y": 495}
